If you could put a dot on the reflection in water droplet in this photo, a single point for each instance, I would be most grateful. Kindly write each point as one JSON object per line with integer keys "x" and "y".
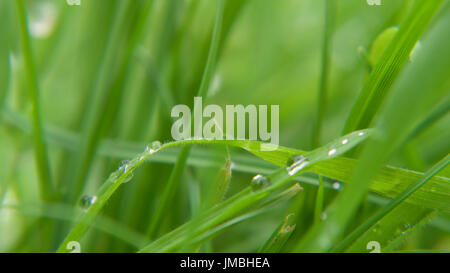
{"x": 332, "y": 152}
{"x": 124, "y": 166}
{"x": 87, "y": 201}
{"x": 336, "y": 185}
{"x": 259, "y": 182}
{"x": 345, "y": 141}
{"x": 361, "y": 134}
{"x": 299, "y": 163}
{"x": 156, "y": 145}
{"x": 153, "y": 147}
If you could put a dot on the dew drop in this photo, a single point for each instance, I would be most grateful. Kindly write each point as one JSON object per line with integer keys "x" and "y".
{"x": 323, "y": 216}
{"x": 298, "y": 164}
{"x": 124, "y": 166}
{"x": 156, "y": 145}
{"x": 259, "y": 182}
{"x": 332, "y": 152}
{"x": 336, "y": 185}
{"x": 153, "y": 147}
{"x": 345, "y": 141}
{"x": 87, "y": 201}
{"x": 361, "y": 134}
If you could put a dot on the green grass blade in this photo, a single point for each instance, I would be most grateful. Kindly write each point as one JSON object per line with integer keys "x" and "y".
{"x": 279, "y": 237}
{"x": 324, "y": 73}
{"x": 126, "y": 172}
{"x": 424, "y": 88}
{"x": 176, "y": 174}
{"x": 389, "y": 182}
{"x": 392, "y": 60}
{"x": 392, "y": 205}
{"x": 41, "y": 157}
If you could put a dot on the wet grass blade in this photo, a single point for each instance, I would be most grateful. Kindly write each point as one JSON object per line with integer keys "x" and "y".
{"x": 392, "y": 205}
{"x": 281, "y": 177}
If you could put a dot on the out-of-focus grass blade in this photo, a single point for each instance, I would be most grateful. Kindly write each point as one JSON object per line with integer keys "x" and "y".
{"x": 388, "y": 67}
{"x": 175, "y": 176}
{"x": 41, "y": 157}
{"x": 279, "y": 237}
{"x": 64, "y": 212}
{"x": 420, "y": 87}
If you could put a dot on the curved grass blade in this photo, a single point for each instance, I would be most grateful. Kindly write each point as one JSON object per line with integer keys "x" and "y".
{"x": 126, "y": 171}
{"x": 389, "y": 182}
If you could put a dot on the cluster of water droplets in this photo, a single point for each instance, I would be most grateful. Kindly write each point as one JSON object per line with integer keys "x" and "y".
{"x": 298, "y": 164}
{"x": 259, "y": 182}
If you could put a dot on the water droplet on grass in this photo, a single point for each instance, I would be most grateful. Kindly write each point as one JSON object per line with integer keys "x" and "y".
{"x": 345, "y": 141}
{"x": 87, "y": 201}
{"x": 336, "y": 185}
{"x": 298, "y": 164}
{"x": 332, "y": 152}
{"x": 259, "y": 182}
{"x": 153, "y": 147}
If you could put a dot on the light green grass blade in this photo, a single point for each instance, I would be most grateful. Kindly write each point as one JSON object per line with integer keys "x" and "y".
{"x": 178, "y": 169}
{"x": 324, "y": 73}
{"x": 41, "y": 157}
{"x": 388, "y": 67}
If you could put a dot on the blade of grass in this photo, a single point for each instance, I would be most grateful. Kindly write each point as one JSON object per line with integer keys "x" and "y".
{"x": 64, "y": 212}
{"x": 395, "y": 123}
{"x": 176, "y": 174}
{"x": 385, "y": 72}
{"x": 41, "y": 157}
{"x": 279, "y": 180}
{"x": 390, "y": 181}
{"x": 126, "y": 171}
{"x": 392, "y": 205}
{"x": 279, "y": 237}
{"x": 324, "y": 73}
